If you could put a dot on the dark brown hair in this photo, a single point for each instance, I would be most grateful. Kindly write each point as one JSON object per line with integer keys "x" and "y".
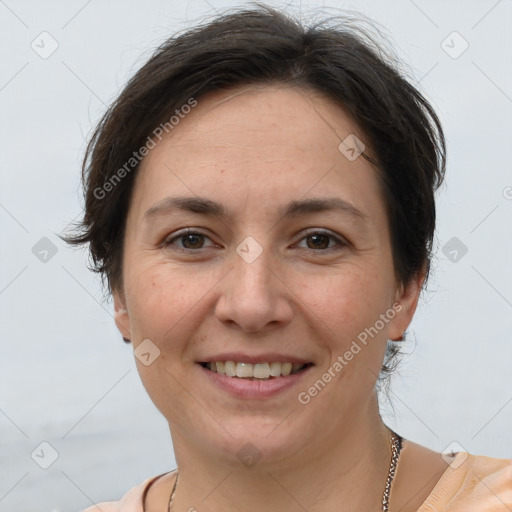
{"x": 263, "y": 46}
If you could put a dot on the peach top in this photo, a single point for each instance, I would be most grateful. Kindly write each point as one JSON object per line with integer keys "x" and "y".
{"x": 472, "y": 483}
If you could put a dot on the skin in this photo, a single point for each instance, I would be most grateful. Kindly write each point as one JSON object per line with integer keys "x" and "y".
{"x": 254, "y": 149}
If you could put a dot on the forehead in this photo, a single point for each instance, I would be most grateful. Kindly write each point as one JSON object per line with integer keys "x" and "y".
{"x": 264, "y": 117}
{"x": 255, "y": 142}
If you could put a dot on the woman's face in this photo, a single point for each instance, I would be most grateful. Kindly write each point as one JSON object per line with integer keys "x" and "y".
{"x": 271, "y": 280}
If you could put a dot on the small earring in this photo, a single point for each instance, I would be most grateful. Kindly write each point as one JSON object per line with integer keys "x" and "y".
{"x": 126, "y": 340}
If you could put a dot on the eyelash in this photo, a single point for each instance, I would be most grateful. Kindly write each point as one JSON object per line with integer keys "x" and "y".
{"x": 187, "y": 232}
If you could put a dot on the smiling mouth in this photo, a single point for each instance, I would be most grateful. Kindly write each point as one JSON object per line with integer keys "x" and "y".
{"x": 257, "y": 371}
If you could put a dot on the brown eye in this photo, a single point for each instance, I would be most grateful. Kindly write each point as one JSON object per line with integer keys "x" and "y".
{"x": 319, "y": 241}
{"x": 190, "y": 240}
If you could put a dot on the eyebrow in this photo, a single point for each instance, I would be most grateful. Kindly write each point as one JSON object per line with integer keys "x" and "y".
{"x": 207, "y": 207}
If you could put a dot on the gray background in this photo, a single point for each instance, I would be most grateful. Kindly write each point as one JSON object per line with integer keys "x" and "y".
{"x": 66, "y": 377}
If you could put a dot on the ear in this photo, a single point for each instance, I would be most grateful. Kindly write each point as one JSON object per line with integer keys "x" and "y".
{"x": 121, "y": 315}
{"x": 406, "y": 301}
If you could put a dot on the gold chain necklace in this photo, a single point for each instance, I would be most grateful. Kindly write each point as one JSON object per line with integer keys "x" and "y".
{"x": 396, "y": 446}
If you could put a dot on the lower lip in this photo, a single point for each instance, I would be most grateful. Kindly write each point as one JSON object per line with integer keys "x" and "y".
{"x": 244, "y": 388}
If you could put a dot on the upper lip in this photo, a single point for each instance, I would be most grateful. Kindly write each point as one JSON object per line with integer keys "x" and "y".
{"x": 267, "y": 357}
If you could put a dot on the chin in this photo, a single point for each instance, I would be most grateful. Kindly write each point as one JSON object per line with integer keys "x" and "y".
{"x": 256, "y": 442}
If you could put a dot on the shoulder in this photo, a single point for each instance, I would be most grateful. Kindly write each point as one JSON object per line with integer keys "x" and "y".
{"x": 132, "y": 501}
{"x": 472, "y": 482}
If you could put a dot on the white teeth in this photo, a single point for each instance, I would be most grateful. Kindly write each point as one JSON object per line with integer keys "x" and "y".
{"x": 286, "y": 369}
{"x": 261, "y": 371}
{"x": 254, "y": 371}
{"x": 275, "y": 369}
{"x": 244, "y": 370}
{"x": 230, "y": 368}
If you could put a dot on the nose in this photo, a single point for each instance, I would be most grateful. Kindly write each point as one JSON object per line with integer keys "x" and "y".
{"x": 254, "y": 294}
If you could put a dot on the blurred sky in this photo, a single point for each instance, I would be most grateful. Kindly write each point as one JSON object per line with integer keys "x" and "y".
{"x": 66, "y": 377}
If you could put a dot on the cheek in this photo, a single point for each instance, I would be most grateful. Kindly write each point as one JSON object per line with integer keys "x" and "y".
{"x": 348, "y": 302}
{"x": 163, "y": 303}
{"x": 165, "y": 299}
{"x": 350, "y": 308}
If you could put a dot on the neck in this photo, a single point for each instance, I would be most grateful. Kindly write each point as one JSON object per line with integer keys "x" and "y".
{"x": 348, "y": 465}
